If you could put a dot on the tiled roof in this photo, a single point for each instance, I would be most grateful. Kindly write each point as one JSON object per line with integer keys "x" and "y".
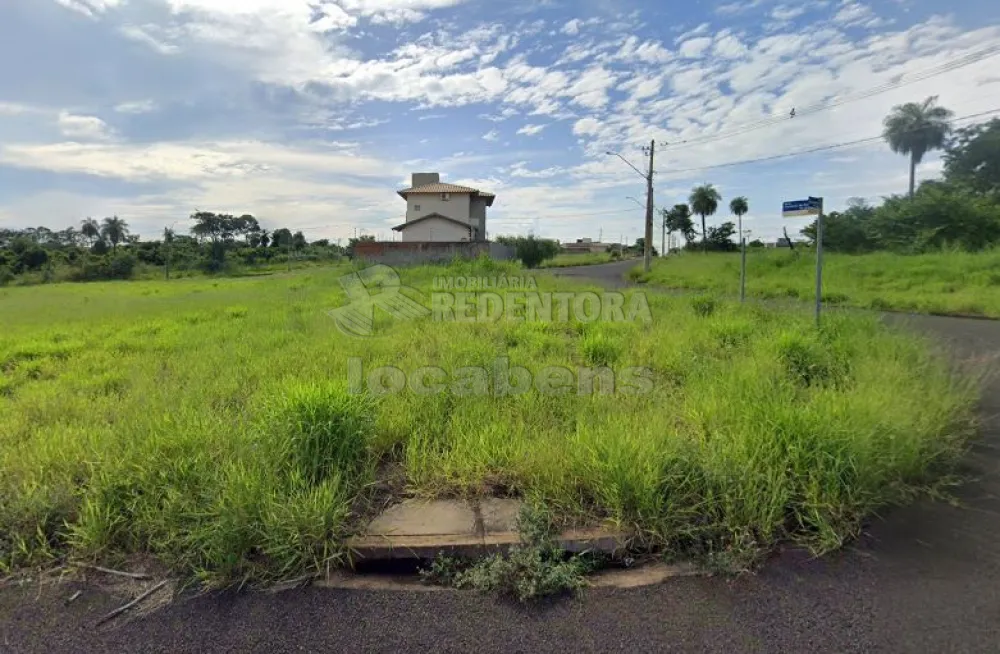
{"x": 399, "y": 228}
{"x": 449, "y": 188}
{"x": 441, "y": 188}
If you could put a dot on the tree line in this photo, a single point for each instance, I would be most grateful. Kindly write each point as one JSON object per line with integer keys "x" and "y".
{"x": 107, "y": 249}
{"x": 961, "y": 210}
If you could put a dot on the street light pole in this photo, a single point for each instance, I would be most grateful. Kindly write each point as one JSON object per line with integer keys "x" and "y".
{"x": 648, "y": 240}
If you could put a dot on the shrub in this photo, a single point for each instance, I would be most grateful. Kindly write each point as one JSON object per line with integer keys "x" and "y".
{"x": 703, "y": 305}
{"x": 536, "y": 568}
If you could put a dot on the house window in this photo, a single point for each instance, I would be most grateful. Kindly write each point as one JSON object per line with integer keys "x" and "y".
{"x": 446, "y": 196}
{"x": 416, "y": 207}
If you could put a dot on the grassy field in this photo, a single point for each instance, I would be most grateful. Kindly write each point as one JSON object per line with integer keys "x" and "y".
{"x": 949, "y": 283}
{"x": 209, "y": 423}
{"x": 568, "y": 260}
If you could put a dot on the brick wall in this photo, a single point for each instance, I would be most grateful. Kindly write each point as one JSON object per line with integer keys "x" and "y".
{"x": 402, "y": 253}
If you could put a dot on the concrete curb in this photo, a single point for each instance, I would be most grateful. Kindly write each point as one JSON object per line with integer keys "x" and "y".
{"x": 417, "y": 529}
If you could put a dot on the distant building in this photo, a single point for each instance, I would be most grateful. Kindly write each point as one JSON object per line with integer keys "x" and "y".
{"x": 585, "y": 246}
{"x": 443, "y": 213}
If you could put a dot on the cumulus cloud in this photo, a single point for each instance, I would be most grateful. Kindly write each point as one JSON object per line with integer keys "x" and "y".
{"x": 491, "y": 136}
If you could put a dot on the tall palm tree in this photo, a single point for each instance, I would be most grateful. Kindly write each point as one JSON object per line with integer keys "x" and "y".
{"x": 115, "y": 230}
{"x": 91, "y": 229}
{"x": 915, "y": 128}
{"x": 704, "y": 201}
{"x": 739, "y": 207}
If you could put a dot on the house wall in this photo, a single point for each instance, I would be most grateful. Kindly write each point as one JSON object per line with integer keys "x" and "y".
{"x": 436, "y": 229}
{"x": 477, "y": 217}
{"x": 456, "y": 207}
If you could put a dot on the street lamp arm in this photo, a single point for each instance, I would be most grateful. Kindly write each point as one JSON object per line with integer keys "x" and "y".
{"x": 641, "y": 174}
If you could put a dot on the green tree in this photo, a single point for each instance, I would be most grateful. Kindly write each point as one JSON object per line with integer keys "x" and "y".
{"x": 704, "y": 201}
{"x": 114, "y": 230}
{"x": 678, "y": 219}
{"x": 91, "y": 229}
{"x": 721, "y": 238}
{"x": 916, "y": 128}
{"x": 972, "y": 158}
{"x": 282, "y": 238}
{"x": 739, "y": 207}
{"x": 848, "y": 231}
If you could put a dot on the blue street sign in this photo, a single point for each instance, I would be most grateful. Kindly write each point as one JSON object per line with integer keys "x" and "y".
{"x": 808, "y": 207}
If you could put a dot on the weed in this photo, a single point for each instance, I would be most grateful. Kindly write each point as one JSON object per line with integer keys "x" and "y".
{"x": 534, "y": 569}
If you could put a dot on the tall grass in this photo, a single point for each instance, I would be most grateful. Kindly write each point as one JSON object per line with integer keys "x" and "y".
{"x": 209, "y": 424}
{"x": 947, "y": 282}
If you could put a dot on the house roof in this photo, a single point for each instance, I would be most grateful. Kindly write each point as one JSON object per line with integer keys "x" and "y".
{"x": 399, "y": 228}
{"x": 448, "y": 188}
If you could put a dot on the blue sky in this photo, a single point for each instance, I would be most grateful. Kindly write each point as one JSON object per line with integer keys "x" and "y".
{"x": 311, "y": 113}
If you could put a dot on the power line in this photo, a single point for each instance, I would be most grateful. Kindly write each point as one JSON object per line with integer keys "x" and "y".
{"x": 955, "y": 64}
{"x": 822, "y": 148}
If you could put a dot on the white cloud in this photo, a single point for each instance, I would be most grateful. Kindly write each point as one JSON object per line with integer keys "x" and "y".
{"x": 491, "y": 136}
{"x": 694, "y": 48}
{"x": 572, "y": 27}
{"x": 83, "y": 127}
{"x": 531, "y": 130}
{"x": 700, "y": 29}
{"x": 729, "y": 47}
{"x": 855, "y": 13}
{"x": 89, "y": 8}
{"x": 735, "y": 8}
{"x": 137, "y": 107}
{"x": 142, "y": 35}
{"x": 785, "y": 13}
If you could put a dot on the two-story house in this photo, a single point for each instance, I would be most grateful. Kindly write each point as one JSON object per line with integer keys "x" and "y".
{"x": 437, "y": 212}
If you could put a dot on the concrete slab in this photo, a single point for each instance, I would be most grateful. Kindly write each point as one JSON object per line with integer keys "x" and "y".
{"x": 499, "y": 515}
{"x": 420, "y": 529}
{"x": 425, "y": 518}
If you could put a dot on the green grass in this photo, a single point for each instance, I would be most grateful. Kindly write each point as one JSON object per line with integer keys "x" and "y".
{"x": 949, "y": 283}
{"x": 567, "y": 260}
{"x": 207, "y": 423}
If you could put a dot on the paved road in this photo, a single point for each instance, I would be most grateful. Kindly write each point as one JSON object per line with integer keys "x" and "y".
{"x": 924, "y": 579}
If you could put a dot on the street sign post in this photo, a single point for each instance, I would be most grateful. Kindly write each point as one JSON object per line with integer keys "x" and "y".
{"x": 810, "y": 207}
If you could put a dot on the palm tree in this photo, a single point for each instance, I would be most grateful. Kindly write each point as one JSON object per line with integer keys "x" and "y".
{"x": 915, "y": 128}
{"x": 739, "y": 207}
{"x": 115, "y": 230}
{"x": 90, "y": 229}
{"x": 704, "y": 201}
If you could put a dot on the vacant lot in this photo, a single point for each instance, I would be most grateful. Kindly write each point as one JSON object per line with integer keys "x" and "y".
{"x": 949, "y": 283}
{"x": 212, "y": 424}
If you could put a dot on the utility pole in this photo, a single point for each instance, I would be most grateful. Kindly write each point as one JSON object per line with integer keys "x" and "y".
{"x": 663, "y": 236}
{"x": 648, "y": 241}
{"x": 819, "y": 257}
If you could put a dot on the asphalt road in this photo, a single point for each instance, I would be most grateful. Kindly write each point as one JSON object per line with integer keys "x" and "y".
{"x": 925, "y": 578}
